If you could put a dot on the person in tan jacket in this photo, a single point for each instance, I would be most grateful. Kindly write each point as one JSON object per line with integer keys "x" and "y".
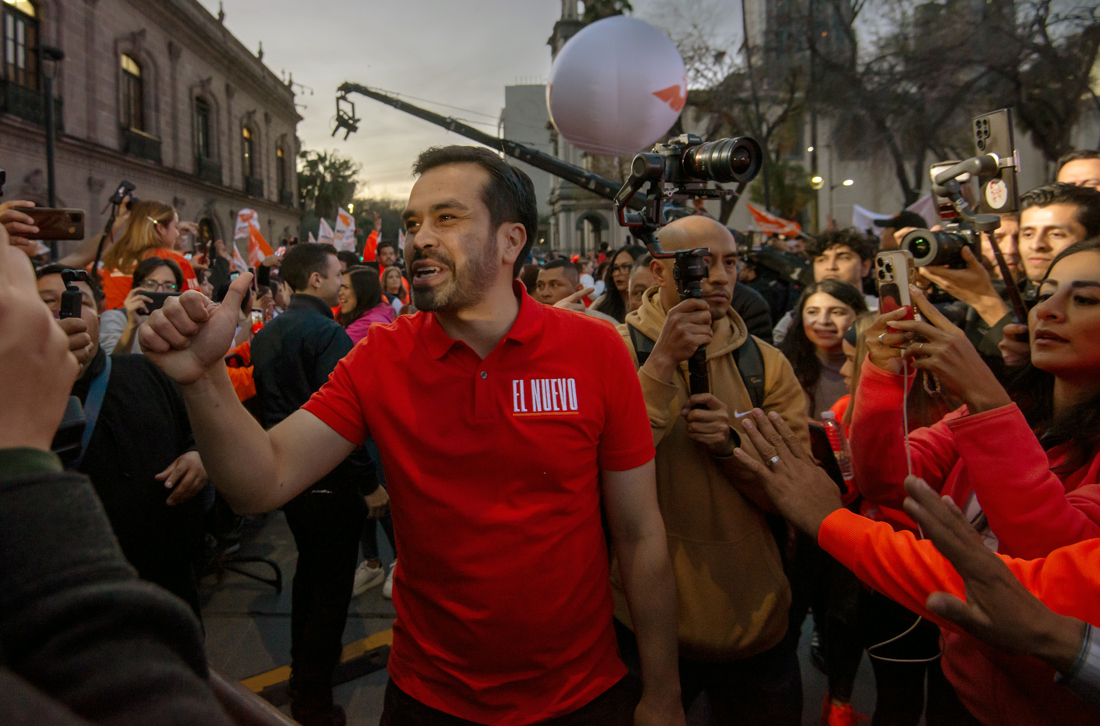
{"x": 733, "y": 597}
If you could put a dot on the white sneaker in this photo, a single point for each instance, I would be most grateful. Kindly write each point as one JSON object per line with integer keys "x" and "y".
{"x": 366, "y": 577}
{"x": 387, "y": 589}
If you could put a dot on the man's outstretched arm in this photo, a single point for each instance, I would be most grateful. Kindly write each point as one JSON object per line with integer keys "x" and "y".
{"x": 255, "y": 470}
{"x": 641, "y": 548}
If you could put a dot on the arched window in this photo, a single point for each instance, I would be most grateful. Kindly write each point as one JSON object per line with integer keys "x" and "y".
{"x": 133, "y": 94}
{"x": 248, "y": 157}
{"x": 203, "y": 142}
{"x": 20, "y": 36}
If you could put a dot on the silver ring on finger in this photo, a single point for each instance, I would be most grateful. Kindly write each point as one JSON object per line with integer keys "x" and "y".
{"x": 772, "y": 461}
{"x": 880, "y": 337}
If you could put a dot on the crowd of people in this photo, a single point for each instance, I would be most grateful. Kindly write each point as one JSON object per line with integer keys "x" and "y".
{"x": 923, "y": 482}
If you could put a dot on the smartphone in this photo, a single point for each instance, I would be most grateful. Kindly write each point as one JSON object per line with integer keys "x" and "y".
{"x": 56, "y": 224}
{"x": 257, "y": 317}
{"x": 158, "y": 299}
{"x": 281, "y": 252}
{"x": 894, "y": 272}
{"x": 993, "y": 135}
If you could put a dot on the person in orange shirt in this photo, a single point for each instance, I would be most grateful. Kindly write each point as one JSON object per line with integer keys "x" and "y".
{"x": 153, "y": 230}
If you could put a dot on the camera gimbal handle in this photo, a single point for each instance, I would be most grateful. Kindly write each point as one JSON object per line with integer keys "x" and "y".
{"x": 690, "y": 266}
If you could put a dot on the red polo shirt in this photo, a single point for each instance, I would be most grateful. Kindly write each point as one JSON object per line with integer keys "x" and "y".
{"x": 502, "y": 596}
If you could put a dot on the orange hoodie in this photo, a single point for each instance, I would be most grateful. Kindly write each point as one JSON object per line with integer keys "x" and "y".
{"x": 996, "y": 687}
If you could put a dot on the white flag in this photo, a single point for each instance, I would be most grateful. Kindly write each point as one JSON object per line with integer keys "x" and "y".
{"x": 312, "y": 239}
{"x": 345, "y": 231}
{"x": 401, "y": 239}
{"x": 238, "y": 261}
{"x": 325, "y": 235}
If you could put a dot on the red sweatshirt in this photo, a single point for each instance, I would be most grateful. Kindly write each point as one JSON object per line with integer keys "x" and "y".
{"x": 993, "y": 455}
{"x": 997, "y": 688}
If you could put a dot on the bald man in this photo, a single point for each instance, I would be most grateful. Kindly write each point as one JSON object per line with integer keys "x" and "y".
{"x": 734, "y": 598}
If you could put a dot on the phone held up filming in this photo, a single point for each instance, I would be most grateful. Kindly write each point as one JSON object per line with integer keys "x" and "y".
{"x": 895, "y": 272}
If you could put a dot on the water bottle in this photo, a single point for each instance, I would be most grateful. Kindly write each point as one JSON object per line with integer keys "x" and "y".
{"x": 839, "y": 444}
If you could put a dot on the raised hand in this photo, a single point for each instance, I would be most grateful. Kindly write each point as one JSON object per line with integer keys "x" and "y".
{"x": 945, "y": 351}
{"x": 573, "y": 302}
{"x": 686, "y": 327}
{"x": 190, "y": 335}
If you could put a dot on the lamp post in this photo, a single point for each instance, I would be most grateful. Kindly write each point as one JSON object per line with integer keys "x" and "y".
{"x": 50, "y": 57}
{"x": 817, "y": 182}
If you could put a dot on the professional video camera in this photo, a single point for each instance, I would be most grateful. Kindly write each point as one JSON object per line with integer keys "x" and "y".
{"x": 676, "y": 170}
{"x": 994, "y": 173}
{"x": 125, "y": 189}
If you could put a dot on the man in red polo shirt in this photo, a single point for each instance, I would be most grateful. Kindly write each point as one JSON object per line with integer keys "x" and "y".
{"x": 505, "y": 426}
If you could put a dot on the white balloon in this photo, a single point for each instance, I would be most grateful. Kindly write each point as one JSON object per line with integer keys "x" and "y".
{"x": 616, "y": 87}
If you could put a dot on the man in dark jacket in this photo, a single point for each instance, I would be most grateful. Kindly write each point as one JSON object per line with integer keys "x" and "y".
{"x": 139, "y": 453}
{"x": 292, "y": 357}
{"x": 82, "y": 640}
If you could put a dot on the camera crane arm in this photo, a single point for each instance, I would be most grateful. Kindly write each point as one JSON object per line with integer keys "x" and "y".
{"x": 345, "y": 119}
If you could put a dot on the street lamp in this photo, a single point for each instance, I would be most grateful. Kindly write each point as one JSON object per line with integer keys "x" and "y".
{"x": 50, "y": 57}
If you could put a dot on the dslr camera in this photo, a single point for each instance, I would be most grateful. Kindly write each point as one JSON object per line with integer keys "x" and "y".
{"x": 943, "y": 247}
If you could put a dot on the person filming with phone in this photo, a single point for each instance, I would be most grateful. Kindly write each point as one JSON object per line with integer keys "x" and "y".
{"x": 154, "y": 278}
{"x": 1025, "y": 474}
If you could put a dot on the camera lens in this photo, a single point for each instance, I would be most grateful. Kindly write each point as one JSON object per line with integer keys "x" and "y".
{"x": 921, "y": 247}
{"x": 725, "y": 160}
{"x": 943, "y": 248}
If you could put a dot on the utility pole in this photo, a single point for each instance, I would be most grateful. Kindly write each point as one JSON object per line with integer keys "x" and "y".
{"x": 759, "y": 130}
{"x": 50, "y": 58}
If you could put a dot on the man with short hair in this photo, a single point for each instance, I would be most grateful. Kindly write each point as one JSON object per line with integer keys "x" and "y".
{"x": 140, "y": 454}
{"x": 386, "y": 254}
{"x": 1080, "y": 168}
{"x": 734, "y": 595}
{"x": 557, "y": 280}
{"x": 1052, "y": 217}
{"x": 845, "y": 255}
{"x": 503, "y": 599}
{"x": 292, "y": 356}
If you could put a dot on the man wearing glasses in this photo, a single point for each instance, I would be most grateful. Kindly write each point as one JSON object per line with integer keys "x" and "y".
{"x": 118, "y": 328}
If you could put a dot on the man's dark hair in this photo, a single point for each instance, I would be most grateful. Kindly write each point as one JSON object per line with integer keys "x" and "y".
{"x": 1085, "y": 199}
{"x": 569, "y": 267}
{"x": 509, "y": 195}
{"x": 384, "y": 245}
{"x": 1078, "y": 155}
{"x": 301, "y": 261}
{"x": 349, "y": 258}
{"x": 859, "y": 243}
{"x": 91, "y": 279}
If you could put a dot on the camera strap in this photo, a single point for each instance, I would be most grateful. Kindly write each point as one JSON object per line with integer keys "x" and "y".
{"x": 747, "y": 358}
{"x": 92, "y": 404}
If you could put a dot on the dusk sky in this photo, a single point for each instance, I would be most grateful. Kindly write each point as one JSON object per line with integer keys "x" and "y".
{"x": 457, "y": 52}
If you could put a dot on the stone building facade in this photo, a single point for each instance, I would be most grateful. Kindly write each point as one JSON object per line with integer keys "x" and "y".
{"x": 158, "y": 93}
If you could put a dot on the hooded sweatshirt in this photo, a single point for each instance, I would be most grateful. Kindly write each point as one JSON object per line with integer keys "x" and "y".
{"x": 733, "y": 597}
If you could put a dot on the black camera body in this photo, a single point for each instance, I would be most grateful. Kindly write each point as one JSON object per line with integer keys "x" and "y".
{"x": 942, "y": 248}
{"x": 688, "y": 160}
{"x": 676, "y": 170}
{"x": 72, "y": 298}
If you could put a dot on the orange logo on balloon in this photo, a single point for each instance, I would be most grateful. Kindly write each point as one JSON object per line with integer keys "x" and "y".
{"x": 674, "y": 96}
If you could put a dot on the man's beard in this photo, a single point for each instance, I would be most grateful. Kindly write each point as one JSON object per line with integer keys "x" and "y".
{"x": 465, "y": 288}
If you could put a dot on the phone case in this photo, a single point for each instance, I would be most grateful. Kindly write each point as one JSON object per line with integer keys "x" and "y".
{"x": 993, "y": 135}
{"x": 894, "y": 272}
{"x": 56, "y": 224}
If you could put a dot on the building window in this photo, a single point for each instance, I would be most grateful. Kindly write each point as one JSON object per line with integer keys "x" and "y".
{"x": 280, "y": 168}
{"x": 20, "y": 26}
{"x": 249, "y": 165}
{"x": 202, "y": 128}
{"x": 133, "y": 97}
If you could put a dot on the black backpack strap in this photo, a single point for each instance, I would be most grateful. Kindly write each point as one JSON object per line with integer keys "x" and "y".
{"x": 750, "y": 364}
{"x": 643, "y": 345}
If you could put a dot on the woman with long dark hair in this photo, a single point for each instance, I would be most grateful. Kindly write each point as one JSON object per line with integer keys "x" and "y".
{"x": 361, "y": 303}
{"x": 814, "y": 343}
{"x": 615, "y": 300}
{"x": 1027, "y": 477}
